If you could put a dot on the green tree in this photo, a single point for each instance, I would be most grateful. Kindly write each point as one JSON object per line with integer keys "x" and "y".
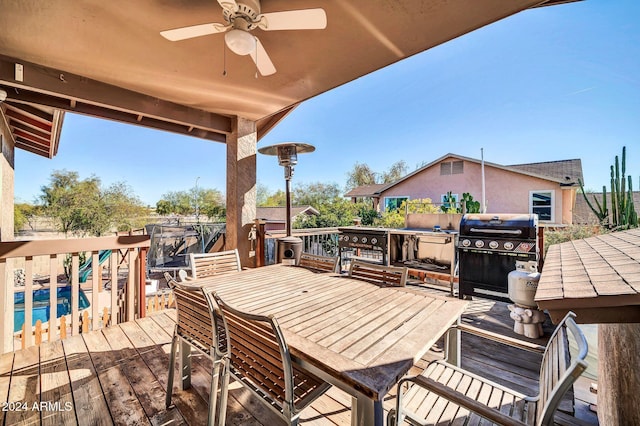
{"x": 361, "y": 174}
{"x": 176, "y": 202}
{"x": 315, "y": 194}
{"x": 337, "y": 212}
{"x": 207, "y": 201}
{"x": 82, "y": 207}
{"x": 395, "y": 172}
{"x": 277, "y": 199}
{"x": 125, "y": 210}
{"x": 211, "y": 203}
{"x": 262, "y": 193}
{"x": 163, "y": 207}
{"x": 23, "y": 214}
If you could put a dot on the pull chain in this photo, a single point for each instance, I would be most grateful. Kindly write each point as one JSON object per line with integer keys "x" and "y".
{"x": 257, "y": 58}
{"x": 224, "y": 58}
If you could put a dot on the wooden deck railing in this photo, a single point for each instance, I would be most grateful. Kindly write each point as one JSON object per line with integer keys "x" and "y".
{"x": 117, "y": 263}
{"x": 320, "y": 241}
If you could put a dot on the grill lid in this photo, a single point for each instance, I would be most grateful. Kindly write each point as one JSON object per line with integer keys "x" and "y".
{"x": 514, "y": 226}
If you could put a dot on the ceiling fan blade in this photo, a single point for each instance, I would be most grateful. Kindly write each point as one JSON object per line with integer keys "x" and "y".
{"x": 229, "y": 5}
{"x": 262, "y": 60}
{"x": 193, "y": 31}
{"x": 303, "y": 19}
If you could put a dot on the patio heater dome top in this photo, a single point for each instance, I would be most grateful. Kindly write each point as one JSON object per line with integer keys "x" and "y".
{"x": 287, "y": 152}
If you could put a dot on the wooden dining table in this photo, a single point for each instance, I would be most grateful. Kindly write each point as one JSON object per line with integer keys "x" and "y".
{"x": 357, "y": 336}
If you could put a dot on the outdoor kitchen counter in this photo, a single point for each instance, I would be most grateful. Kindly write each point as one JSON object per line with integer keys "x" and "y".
{"x": 598, "y": 278}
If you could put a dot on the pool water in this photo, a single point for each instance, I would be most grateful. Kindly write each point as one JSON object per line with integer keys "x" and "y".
{"x": 41, "y": 310}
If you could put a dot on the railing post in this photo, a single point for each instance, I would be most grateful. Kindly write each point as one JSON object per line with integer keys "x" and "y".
{"x": 541, "y": 247}
{"x": 260, "y": 241}
{"x": 142, "y": 266}
{"x": 6, "y": 304}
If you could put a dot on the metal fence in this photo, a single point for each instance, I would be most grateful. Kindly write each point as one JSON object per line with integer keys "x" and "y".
{"x": 320, "y": 241}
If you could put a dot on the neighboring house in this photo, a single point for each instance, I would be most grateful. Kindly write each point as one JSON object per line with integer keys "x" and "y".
{"x": 548, "y": 188}
{"x": 582, "y": 214}
{"x": 275, "y": 217}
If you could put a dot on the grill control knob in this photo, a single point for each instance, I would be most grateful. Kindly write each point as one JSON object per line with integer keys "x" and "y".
{"x": 354, "y": 239}
{"x": 466, "y": 243}
{"x": 479, "y": 243}
{"x": 364, "y": 240}
{"x": 508, "y": 245}
{"x": 374, "y": 240}
{"x": 493, "y": 244}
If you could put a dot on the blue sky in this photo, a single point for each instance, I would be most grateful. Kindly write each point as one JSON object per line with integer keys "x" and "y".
{"x": 547, "y": 84}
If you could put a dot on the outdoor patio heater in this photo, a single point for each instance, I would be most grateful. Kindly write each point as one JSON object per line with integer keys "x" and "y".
{"x": 289, "y": 247}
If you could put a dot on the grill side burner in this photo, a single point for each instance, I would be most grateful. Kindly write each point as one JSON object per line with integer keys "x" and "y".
{"x": 488, "y": 248}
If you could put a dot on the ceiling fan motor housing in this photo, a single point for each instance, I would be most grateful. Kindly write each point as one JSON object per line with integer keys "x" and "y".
{"x": 248, "y": 10}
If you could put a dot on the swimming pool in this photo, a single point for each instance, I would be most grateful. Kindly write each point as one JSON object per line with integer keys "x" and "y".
{"x": 41, "y": 310}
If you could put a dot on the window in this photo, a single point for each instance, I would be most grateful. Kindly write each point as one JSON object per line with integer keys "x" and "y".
{"x": 451, "y": 168}
{"x": 449, "y": 204}
{"x": 542, "y": 203}
{"x": 393, "y": 203}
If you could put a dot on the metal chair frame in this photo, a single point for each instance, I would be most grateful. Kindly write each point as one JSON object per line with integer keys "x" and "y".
{"x": 200, "y": 327}
{"x": 557, "y": 375}
{"x": 252, "y": 355}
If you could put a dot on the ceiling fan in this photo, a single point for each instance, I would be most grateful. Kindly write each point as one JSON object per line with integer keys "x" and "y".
{"x": 243, "y": 16}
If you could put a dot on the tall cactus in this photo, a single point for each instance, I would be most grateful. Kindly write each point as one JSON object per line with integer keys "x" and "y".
{"x": 602, "y": 213}
{"x": 623, "y": 213}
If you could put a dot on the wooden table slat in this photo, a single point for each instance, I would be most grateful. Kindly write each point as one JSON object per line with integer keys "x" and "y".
{"x": 330, "y": 320}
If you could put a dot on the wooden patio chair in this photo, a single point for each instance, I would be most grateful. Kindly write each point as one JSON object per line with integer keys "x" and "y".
{"x": 318, "y": 263}
{"x": 205, "y": 265}
{"x": 203, "y": 330}
{"x": 379, "y": 274}
{"x": 446, "y": 394}
{"x": 260, "y": 361}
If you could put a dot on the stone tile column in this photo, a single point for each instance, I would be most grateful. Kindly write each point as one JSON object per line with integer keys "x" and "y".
{"x": 6, "y": 234}
{"x": 241, "y": 188}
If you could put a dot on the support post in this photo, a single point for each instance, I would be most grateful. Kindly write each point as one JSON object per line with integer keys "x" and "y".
{"x": 241, "y": 188}
{"x": 618, "y": 374}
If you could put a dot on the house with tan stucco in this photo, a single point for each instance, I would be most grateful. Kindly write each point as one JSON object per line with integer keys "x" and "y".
{"x": 547, "y": 188}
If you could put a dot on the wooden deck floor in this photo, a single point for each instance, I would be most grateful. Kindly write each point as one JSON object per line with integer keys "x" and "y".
{"x": 118, "y": 375}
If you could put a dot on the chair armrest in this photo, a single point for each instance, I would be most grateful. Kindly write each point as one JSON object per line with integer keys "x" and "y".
{"x": 500, "y": 338}
{"x": 462, "y": 400}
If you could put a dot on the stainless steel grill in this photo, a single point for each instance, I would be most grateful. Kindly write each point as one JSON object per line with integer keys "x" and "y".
{"x": 488, "y": 248}
{"x": 369, "y": 243}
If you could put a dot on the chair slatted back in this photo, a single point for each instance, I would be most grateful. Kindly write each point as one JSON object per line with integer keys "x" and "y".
{"x": 194, "y": 319}
{"x": 318, "y": 263}
{"x": 557, "y": 371}
{"x": 257, "y": 351}
{"x": 379, "y": 274}
{"x": 205, "y": 265}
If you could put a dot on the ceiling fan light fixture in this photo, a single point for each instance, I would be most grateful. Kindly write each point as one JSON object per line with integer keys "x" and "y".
{"x": 240, "y": 42}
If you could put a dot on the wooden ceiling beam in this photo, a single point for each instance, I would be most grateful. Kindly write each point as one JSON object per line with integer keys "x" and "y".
{"x": 31, "y": 137}
{"x": 18, "y": 116}
{"x": 31, "y": 148}
{"x": 35, "y": 113}
{"x": 39, "y": 133}
{"x": 76, "y": 93}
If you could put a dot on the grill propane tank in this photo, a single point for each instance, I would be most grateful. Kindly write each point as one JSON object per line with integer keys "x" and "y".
{"x": 523, "y": 283}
